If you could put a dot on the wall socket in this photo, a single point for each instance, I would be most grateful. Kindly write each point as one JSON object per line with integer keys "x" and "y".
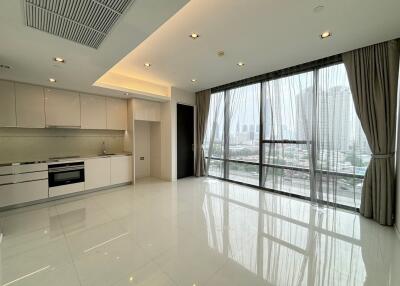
{"x": 141, "y": 158}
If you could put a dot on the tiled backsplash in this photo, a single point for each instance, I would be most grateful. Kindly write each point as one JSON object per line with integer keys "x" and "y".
{"x": 18, "y": 144}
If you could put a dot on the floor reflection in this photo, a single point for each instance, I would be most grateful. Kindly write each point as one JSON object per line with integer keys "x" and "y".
{"x": 196, "y": 231}
{"x": 285, "y": 241}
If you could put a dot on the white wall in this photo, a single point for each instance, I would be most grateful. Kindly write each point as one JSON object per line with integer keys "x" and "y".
{"x": 166, "y": 147}
{"x": 128, "y": 136}
{"x": 167, "y": 157}
{"x": 142, "y": 149}
{"x": 155, "y": 149}
{"x": 20, "y": 144}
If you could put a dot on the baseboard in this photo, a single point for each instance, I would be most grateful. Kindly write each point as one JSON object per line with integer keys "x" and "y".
{"x": 50, "y": 199}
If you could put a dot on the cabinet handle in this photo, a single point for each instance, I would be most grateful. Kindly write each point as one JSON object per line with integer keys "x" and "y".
{"x": 23, "y": 182}
{"x": 64, "y": 126}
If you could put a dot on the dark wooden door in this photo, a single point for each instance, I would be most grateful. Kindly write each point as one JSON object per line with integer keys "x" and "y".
{"x": 185, "y": 124}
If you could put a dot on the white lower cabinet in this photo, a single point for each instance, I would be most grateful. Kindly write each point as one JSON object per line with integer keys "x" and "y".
{"x": 107, "y": 171}
{"x": 12, "y": 194}
{"x": 66, "y": 189}
{"x": 97, "y": 173}
{"x": 27, "y": 183}
{"x": 121, "y": 169}
{"x": 25, "y": 168}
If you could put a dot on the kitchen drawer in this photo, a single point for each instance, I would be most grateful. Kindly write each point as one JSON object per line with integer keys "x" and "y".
{"x": 24, "y": 177}
{"x": 24, "y": 168}
{"x": 66, "y": 189}
{"x": 23, "y": 192}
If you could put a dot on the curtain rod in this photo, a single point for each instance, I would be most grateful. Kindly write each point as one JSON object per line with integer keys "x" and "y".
{"x": 281, "y": 73}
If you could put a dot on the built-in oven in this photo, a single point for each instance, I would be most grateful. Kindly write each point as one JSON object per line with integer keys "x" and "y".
{"x": 66, "y": 173}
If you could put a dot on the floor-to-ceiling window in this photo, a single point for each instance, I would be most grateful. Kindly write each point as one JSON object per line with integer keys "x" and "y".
{"x": 298, "y": 134}
{"x": 287, "y": 124}
{"x": 214, "y": 139}
{"x": 342, "y": 152}
{"x": 243, "y": 134}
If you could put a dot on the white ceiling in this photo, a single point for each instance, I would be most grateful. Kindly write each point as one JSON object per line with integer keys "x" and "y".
{"x": 265, "y": 34}
{"x": 30, "y": 52}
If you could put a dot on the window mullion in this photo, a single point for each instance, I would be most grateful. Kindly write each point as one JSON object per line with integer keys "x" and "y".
{"x": 226, "y": 133}
{"x": 261, "y": 136}
{"x": 313, "y": 159}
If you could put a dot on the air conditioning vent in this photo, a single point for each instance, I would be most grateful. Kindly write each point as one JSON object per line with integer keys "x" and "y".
{"x": 83, "y": 21}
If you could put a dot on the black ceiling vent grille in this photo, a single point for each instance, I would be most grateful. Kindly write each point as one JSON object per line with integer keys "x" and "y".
{"x": 83, "y": 21}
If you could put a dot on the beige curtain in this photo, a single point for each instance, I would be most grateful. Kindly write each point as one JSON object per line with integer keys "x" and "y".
{"x": 373, "y": 76}
{"x": 203, "y": 105}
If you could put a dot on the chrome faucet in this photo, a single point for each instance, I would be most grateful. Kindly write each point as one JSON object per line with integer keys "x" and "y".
{"x": 104, "y": 151}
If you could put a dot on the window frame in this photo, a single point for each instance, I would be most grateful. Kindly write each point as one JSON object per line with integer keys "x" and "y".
{"x": 261, "y": 80}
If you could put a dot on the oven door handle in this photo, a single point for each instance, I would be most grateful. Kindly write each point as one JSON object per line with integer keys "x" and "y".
{"x": 65, "y": 169}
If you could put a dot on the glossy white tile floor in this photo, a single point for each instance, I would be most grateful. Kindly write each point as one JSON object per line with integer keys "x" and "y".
{"x": 193, "y": 232}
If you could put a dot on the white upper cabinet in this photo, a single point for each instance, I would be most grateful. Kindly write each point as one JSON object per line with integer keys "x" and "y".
{"x": 117, "y": 113}
{"x": 30, "y": 106}
{"x": 7, "y": 104}
{"x": 147, "y": 110}
{"x": 93, "y": 112}
{"x": 62, "y": 108}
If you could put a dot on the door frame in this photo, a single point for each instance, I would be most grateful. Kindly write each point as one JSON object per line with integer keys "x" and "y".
{"x": 176, "y": 136}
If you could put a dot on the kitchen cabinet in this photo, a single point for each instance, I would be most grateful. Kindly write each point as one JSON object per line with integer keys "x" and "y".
{"x": 24, "y": 168}
{"x": 13, "y": 194}
{"x": 93, "y": 112}
{"x": 66, "y": 190}
{"x": 23, "y": 183}
{"x": 117, "y": 113}
{"x": 62, "y": 108}
{"x": 29, "y": 106}
{"x": 121, "y": 169}
{"x": 146, "y": 110}
{"x": 97, "y": 173}
{"x": 7, "y": 104}
{"x": 24, "y": 177}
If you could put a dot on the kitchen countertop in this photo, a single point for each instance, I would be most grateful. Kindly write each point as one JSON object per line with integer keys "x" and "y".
{"x": 62, "y": 159}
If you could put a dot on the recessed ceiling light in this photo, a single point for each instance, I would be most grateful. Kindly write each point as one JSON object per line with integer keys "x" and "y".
{"x": 326, "y": 34}
{"x": 194, "y": 36}
{"x": 126, "y": 93}
{"x": 147, "y": 65}
{"x": 52, "y": 80}
{"x": 240, "y": 64}
{"x": 59, "y": 60}
{"x": 194, "y": 80}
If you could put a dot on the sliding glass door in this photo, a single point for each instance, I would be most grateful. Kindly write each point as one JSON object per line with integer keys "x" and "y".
{"x": 297, "y": 134}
